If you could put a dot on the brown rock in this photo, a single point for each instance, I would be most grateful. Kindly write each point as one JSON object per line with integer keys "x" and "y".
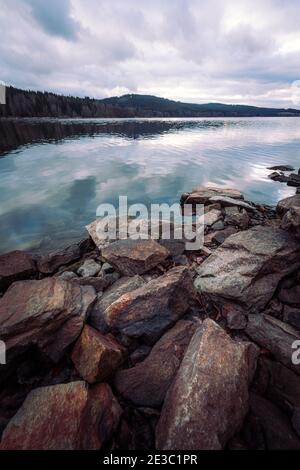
{"x": 220, "y": 236}
{"x": 131, "y": 257}
{"x": 150, "y": 310}
{"x": 120, "y": 287}
{"x": 48, "y": 314}
{"x": 50, "y": 263}
{"x": 291, "y": 315}
{"x": 95, "y": 356}
{"x": 147, "y": 383}
{"x": 63, "y": 417}
{"x": 248, "y": 266}
{"x": 15, "y": 266}
{"x": 208, "y": 400}
{"x": 285, "y": 204}
{"x": 275, "y": 336}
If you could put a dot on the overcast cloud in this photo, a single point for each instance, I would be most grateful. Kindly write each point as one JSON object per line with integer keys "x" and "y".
{"x": 233, "y": 51}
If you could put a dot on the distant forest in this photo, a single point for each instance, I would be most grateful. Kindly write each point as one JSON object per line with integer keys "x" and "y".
{"x": 23, "y": 103}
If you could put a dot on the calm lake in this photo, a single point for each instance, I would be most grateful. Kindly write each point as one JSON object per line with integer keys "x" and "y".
{"x": 55, "y": 172}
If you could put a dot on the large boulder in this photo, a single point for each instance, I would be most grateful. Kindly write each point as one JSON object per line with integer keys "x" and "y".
{"x": 208, "y": 399}
{"x": 130, "y": 257}
{"x": 119, "y": 288}
{"x": 275, "y": 336}
{"x": 285, "y": 204}
{"x": 95, "y": 356}
{"x": 47, "y": 314}
{"x": 147, "y": 383}
{"x": 291, "y": 221}
{"x": 63, "y": 417}
{"x": 51, "y": 262}
{"x": 15, "y": 266}
{"x": 149, "y": 311}
{"x": 248, "y": 266}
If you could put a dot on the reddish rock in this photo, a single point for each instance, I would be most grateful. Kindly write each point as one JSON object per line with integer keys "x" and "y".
{"x": 15, "y": 266}
{"x": 48, "y": 314}
{"x": 147, "y": 383}
{"x": 51, "y": 262}
{"x": 285, "y": 205}
{"x": 120, "y": 287}
{"x": 150, "y": 310}
{"x": 208, "y": 399}
{"x": 63, "y": 417}
{"x": 131, "y": 257}
{"x": 95, "y": 356}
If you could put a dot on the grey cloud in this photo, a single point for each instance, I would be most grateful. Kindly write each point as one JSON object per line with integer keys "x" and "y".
{"x": 54, "y": 17}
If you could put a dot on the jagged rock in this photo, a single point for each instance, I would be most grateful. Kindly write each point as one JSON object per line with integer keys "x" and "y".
{"x": 229, "y": 201}
{"x": 202, "y": 195}
{"x": 285, "y": 204}
{"x": 281, "y": 177}
{"x": 291, "y": 220}
{"x": 63, "y": 417}
{"x": 131, "y": 257}
{"x": 181, "y": 260}
{"x": 275, "y": 336}
{"x": 51, "y": 262}
{"x": 248, "y": 266}
{"x": 281, "y": 168}
{"x": 98, "y": 283}
{"x": 236, "y": 217}
{"x": 15, "y": 266}
{"x": 95, "y": 356}
{"x": 274, "y": 425}
{"x": 120, "y": 287}
{"x": 218, "y": 225}
{"x": 175, "y": 247}
{"x": 291, "y": 315}
{"x": 147, "y": 383}
{"x": 90, "y": 268}
{"x": 294, "y": 180}
{"x": 140, "y": 354}
{"x": 210, "y": 217}
{"x": 220, "y": 237}
{"x": 149, "y": 311}
{"x": 208, "y": 399}
{"x": 48, "y": 314}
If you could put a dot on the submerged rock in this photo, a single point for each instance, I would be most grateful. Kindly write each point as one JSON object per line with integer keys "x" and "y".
{"x": 15, "y": 266}
{"x": 147, "y": 383}
{"x": 281, "y": 168}
{"x": 131, "y": 257}
{"x": 63, "y": 417}
{"x": 48, "y": 314}
{"x": 208, "y": 400}
{"x": 248, "y": 266}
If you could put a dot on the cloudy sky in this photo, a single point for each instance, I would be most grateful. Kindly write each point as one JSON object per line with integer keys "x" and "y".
{"x": 234, "y": 51}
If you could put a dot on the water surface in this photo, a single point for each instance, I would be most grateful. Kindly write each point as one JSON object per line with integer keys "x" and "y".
{"x": 54, "y": 172}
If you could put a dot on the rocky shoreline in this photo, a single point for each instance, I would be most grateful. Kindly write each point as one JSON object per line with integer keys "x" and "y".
{"x": 139, "y": 344}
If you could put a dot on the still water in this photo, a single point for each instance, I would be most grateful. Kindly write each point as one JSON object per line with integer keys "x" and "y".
{"x": 54, "y": 173}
